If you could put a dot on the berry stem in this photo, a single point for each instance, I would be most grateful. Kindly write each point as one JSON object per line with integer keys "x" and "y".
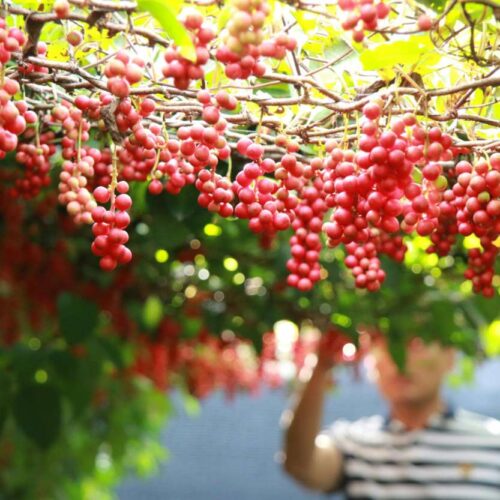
{"x": 79, "y": 141}
{"x": 229, "y": 167}
{"x": 114, "y": 172}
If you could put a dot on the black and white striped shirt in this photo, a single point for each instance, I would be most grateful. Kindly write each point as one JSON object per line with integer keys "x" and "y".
{"x": 457, "y": 456}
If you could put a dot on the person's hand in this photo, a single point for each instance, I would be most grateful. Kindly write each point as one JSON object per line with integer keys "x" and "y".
{"x": 330, "y": 349}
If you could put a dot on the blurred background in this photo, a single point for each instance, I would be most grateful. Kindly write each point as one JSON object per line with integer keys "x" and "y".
{"x": 231, "y": 448}
{"x": 178, "y": 366}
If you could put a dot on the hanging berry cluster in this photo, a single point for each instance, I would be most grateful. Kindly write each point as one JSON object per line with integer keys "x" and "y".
{"x": 244, "y": 42}
{"x": 182, "y": 70}
{"x": 109, "y": 226}
{"x": 362, "y": 16}
{"x": 398, "y": 177}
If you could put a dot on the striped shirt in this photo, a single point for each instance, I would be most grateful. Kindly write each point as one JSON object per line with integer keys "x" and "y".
{"x": 457, "y": 456}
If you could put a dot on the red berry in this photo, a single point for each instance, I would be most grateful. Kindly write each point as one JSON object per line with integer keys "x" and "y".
{"x": 372, "y": 111}
{"x": 424, "y": 22}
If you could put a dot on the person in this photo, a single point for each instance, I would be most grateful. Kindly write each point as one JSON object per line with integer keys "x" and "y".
{"x": 423, "y": 449}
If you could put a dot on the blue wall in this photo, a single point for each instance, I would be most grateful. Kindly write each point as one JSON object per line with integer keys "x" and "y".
{"x": 228, "y": 451}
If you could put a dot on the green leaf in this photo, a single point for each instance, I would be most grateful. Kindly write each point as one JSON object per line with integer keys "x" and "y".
{"x": 319, "y": 113}
{"x": 190, "y": 327}
{"x": 5, "y": 399}
{"x": 77, "y": 317}
{"x": 64, "y": 365}
{"x": 75, "y": 380}
{"x": 58, "y": 51}
{"x": 37, "y": 411}
{"x": 453, "y": 16}
{"x": 138, "y": 191}
{"x": 175, "y": 218}
{"x": 465, "y": 373}
{"x": 491, "y": 339}
{"x": 36, "y": 5}
{"x": 112, "y": 351}
{"x": 278, "y": 89}
{"x": 191, "y": 404}
{"x": 163, "y": 13}
{"x": 52, "y": 32}
{"x": 307, "y": 21}
{"x": 389, "y": 54}
{"x": 479, "y": 12}
{"x": 152, "y": 312}
{"x": 348, "y": 80}
{"x": 169, "y": 233}
{"x": 436, "y": 5}
{"x": 24, "y": 362}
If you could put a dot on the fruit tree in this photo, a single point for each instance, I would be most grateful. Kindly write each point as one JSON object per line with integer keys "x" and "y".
{"x": 177, "y": 177}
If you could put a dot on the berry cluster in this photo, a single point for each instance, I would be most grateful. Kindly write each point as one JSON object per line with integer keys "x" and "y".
{"x": 109, "y": 226}
{"x": 207, "y": 363}
{"x": 78, "y": 165}
{"x": 362, "y": 15}
{"x": 183, "y": 160}
{"x": 346, "y": 187}
{"x": 472, "y": 206}
{"x": 178, "y": 67}
{"x": 481, "y": 268}
{"x": 277, "y": 46}
{"x": 122, "y": 72}
{"x": 390, "y": 245}
{"x": 73, "y": 192}
{"x": 14, "y": 116}
{"x": 11, "y": 40}
{"x": 269, "y": 204}
{"x": 244, "y": 42}
{"x": 305, "y": 244}
{"x": 36, "y": 162}
{"x": 240, "y": 52}
{"x": 172, "y": 172}
{"x": 373, "y": 194}
{"x": 397, "y": 180}
{"x": 215, "y": 192}
{"x": 103, "y": 169}
{"x": 365, "y": 265}
{"x": 138, "y": 152}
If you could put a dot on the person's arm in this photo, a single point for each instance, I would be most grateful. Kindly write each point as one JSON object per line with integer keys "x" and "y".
{"x": 316, "y": 464}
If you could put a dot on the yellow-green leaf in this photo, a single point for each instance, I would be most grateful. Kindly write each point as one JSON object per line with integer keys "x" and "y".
{"x": 453, "y": 16}
{"x": 495, "y": 111}
{"x": 102, "y": 36}
{"x": 224, "y": 16}
{"x": 58, "y": 50}
{"x": 437, "y": 5}
{"x": 52, "y": 32}
{"x": 307, "y": 21}
{"x": 162, "y": 12}
{"x": 404, "y": 52}
{"x": 152, "y": 312}
{"x": 491, "y": 339}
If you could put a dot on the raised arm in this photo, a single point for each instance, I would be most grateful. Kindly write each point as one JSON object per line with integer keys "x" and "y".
{"x": 315, "y": 463}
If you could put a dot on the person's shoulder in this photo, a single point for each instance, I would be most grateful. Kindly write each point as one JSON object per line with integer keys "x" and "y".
{"x": 474, "y": 423}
